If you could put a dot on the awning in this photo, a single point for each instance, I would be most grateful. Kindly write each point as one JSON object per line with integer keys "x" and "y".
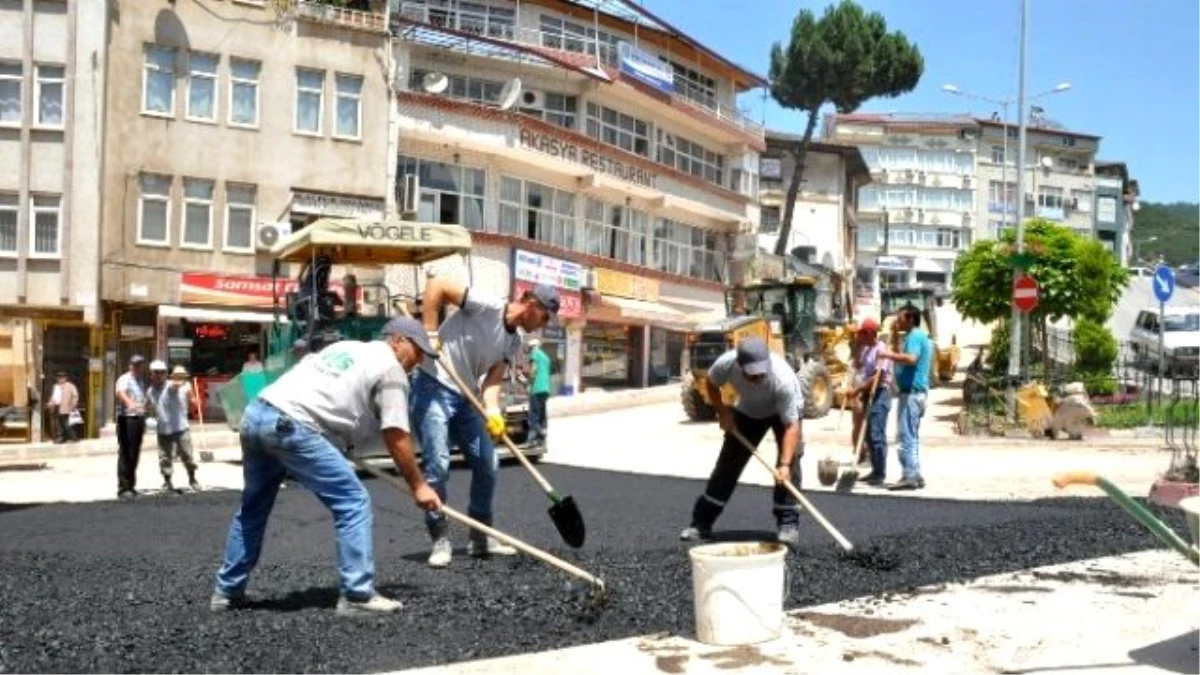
{"x": 217, "y": 315}
{"x": 647, "y": 311}
{"x": 927, "y": 265}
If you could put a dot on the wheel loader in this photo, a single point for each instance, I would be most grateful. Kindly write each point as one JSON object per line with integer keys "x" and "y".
{"x": 782, "y": 312}
{"x": 925, "y": 299}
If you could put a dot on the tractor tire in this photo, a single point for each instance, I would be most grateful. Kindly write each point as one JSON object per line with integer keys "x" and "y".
{"x": 693, "y": 404}
{"x": 817, "y": 388}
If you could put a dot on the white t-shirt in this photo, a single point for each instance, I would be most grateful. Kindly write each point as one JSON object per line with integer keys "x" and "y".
{"x": 349, "y": 392}
{"x": 134, "y": 389}
{"x": 172, "y": 406}
{"x": 778, "y": 394}
{"x": 474, "y": 339}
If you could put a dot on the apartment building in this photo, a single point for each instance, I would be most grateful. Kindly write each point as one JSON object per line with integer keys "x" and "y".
{"x": 1116, "y": 202}
{"x": 230, "y": 124}
{"x": 825, "y": 216}
{"x": 52, "y": 58}
{"x": 918, "y": 213}
{"x": 588, "y": 144}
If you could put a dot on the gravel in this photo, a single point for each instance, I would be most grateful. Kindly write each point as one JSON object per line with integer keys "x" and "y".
{"x": 124, "y": 587}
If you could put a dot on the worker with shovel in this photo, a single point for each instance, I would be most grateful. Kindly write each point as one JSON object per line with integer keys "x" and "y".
{"x": 873, "y": 390}
{"x": 479, "y": 342}
{"x": 297, "y": 426}
{"x": 768, "y": 397}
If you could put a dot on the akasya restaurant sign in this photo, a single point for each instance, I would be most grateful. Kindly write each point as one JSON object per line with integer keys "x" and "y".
{"x": 573, "y": 152}
{"x": 204, "y": 288}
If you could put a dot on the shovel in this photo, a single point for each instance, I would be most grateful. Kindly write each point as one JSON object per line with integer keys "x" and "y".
{"x": 787, "y": 484}
{"x": 563, "y": 510}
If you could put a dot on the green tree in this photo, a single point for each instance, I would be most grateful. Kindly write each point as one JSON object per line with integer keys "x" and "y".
{"x": 1175, "y": 229}
{"x": 844, "y": 59}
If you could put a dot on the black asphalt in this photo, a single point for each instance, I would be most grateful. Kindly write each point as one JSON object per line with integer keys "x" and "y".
{"x": 124, "y": 587}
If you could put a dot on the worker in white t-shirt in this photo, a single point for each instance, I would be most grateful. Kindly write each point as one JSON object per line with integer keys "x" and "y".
{"x": 299, "y": 426}
{"x": 479, "y": 341}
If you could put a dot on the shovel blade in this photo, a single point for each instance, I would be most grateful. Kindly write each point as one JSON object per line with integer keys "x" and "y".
{"x": 569, "y": 521}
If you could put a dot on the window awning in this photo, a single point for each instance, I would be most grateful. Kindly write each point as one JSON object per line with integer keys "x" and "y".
{"x": 927, "y": 265}
{"x": 643, "y": 310}
{"x": 217, "y": 315}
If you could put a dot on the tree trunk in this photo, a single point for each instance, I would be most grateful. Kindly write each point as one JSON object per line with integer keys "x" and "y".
{"x": 799, "y": 155}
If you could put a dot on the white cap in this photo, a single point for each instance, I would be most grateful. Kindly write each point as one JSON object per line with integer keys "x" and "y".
{"x": 157, "y": 365}
{"x": 535, "y": 343}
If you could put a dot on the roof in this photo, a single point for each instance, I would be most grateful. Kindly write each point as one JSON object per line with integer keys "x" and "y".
{"x": 373, "y": 242}
{"x": 946, "y": 120}
{"x": 1054, "y": 128}
{"x": 851, "y": 153}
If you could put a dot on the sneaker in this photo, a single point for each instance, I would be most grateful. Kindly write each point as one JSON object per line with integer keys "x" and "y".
{"x": 219, "y": 602}
{"x": 789, "y": 535}
{"x": 486, "y": 547}
{"x": 694, "y": 533}
{"x": 874, "y": 481}
{"x": 167, "y": 486}
{"x": 194, "y": 484}
{"x": 908, "y": 484}
{"x": 440, "y": 555}
{"x": 126, "y": 495}
{"x": 375, "y": 605}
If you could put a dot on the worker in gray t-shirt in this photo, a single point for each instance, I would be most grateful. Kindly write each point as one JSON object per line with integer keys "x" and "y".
{"x": 296, "y": 426}
{"x": 479, "y": 341}
{"x": 768, "y": 397}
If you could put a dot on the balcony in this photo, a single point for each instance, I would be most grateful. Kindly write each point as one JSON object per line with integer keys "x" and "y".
{"x": 319, "y": 12}
{"x": 598, "y": 56}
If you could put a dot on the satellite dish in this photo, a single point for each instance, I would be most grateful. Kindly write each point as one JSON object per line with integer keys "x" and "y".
{"x": 510, "y": 93}
{"x": 435, "y": 83}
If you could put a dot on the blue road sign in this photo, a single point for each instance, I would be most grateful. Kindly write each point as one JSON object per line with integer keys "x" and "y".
{"x": 1164, "y": 283}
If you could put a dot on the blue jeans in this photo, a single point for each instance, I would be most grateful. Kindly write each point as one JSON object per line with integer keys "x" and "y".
{"x": 912, "y": 409}
{"x": 537, "y": 417}
{"x": 274, "y": 445}
{"x": 877, "y": 419}
{"x": 440, "y": 417}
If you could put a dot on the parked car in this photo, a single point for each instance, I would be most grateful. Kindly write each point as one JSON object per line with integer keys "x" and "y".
{"x": 1141, "y": 272}
{"x": 1180, "y": 331}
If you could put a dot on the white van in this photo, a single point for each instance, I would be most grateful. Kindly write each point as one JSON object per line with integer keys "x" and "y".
{"x": 1180, "y": 335}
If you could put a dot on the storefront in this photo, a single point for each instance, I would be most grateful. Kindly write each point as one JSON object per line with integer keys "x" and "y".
{"x": 529, "y": 268}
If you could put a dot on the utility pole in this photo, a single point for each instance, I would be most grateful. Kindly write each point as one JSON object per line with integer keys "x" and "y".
{"x": 1014, "y": 333}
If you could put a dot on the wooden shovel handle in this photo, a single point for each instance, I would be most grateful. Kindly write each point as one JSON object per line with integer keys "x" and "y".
{"x": 1066, "y": 478}
{"x": 787, "y": 484}
{"x": 862, "y": 433}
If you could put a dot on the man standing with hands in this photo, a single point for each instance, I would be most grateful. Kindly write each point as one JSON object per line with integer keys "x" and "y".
{"x": 539, "y": 392}
{"x": 912, "y": 381}
{"x": 170, "y": 399}
{"x": 131, "y": 425}
{"x": 64, "y": 401}
{"x": 479, "y": 341}
{"x": 768, "y": 397}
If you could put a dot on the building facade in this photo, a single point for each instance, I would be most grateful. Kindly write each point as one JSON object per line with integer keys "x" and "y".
{"x": 229, "y": 125}
{"x": 825, "y": 213}
{"x": 1116, "y": 203}
{"x": 918, "y": 213}
{"x": 588, "y": 145}
{"x": 52, "y": 78}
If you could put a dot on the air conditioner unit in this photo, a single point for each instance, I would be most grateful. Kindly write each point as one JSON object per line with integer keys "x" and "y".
{"x": 410, "y": 196}
{"x": 532, "y": 98}
{"x": 269, "y": 234}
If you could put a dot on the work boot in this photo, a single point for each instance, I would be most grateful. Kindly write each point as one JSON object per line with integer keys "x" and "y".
{"x": 167, "y": 486}
{"x": 482, "y": 547}
{"x": 372, "y": 606}
{"x": 219, "y": 602}
{"x": 192, "y": 482}
{"x": 789, "y": 535}
{"x": 695, "y": 533}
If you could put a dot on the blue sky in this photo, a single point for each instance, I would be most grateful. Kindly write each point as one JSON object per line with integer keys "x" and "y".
{"x": 1133, "y": 67}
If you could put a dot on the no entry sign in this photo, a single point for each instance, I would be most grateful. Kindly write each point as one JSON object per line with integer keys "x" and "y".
{"x": 1025, "y": 293}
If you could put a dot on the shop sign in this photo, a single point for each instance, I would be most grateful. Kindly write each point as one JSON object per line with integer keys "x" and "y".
{"x": 889, "y": 262}
{"x": 609, "y": 282}
{"x": 543, "y": 269}
{"x": 598, "y": 161}
{"x": 203, "y": 288}
{"x": 645, "y": 67}
{"x": 570, "y": 303}
{"x": 137, "y": 332}
{"x": 337, "y": 206}
{"x": 555, "y": 333}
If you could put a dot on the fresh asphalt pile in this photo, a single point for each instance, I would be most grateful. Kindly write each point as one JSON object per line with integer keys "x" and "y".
{"x": 115, "y": 587}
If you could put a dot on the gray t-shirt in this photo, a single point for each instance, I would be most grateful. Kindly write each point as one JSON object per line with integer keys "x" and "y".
{"x": 778, "y": 394}
{"x": 474, "y": 339}
{"x": 349, "y": 392}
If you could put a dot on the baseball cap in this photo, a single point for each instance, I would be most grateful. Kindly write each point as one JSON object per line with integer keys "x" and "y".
{"x": 136, "y": 359}
{"x": 869, "y": 325}
{"x": 548, "y": 296}
{"x": 411, "y": 329}
{"x": 157, "y": 365}
{"x": 753, "y": 356}
{"x": 535, "y": 343}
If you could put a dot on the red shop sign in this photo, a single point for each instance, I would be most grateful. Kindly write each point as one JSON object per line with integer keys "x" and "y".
{"x": 570, "y": 303}
{"x": 203, "y": 288}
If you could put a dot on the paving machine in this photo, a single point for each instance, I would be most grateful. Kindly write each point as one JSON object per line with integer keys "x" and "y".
{"x": 781, "y": 309}
{"x": 312, "y": 310}
{"x": 925, "y": 299}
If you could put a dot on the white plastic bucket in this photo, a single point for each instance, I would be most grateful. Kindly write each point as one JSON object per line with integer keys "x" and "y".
{"x": 738, "y": 591}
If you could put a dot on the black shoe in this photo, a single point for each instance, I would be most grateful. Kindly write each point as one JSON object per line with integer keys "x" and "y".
{"x": 693, "y": 533}
{"x": 874, "y": 481}
{"x": 126, "y": 495}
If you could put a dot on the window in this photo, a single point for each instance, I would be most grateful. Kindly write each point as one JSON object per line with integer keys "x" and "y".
{"x": 684, "y": 249}
{"x": 558, "y": 33}
{"x": 997, "y": 228}
{"x": 349, "y": 106}
{"x": 694, "y": 85}
{"x": 1081, "y": 200}
{"x": 947, "y": 238}
{"x": 616, "y": 232}
{"x": 310, "y": 92}
{"x": 450, "y": 193}
{"x": 202, "y": 87}
{"x": 50, "y": 83}
{"x": 154, "y": 210}
{"x": 47, "y": 233}
{"x": 1001, "y": 194}
{"x": 1068, "y": 163}
{"x": 158, "y": 81}
{"x": 558, "y": 109}
{"x": 1068, "y": 141}
{"x": 618, "y": 129}
{"x": 9, "y": 202}
{"x": 10, "y": 93}
{"x": 997, "y": 154}
{"x": 870, "y": 237}
{"x": 536, "y": 211}
{"x": 690, "y": 158}
{"x": 197, "y": 214}
{"x": 474, "y": 89}
{"x": 1050, "y": 197}
{"x": 469, "y": 17}
{"x": 769, "y": 220}
{"x": 243, "y": 92}
{"x": 239, "y": 217}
